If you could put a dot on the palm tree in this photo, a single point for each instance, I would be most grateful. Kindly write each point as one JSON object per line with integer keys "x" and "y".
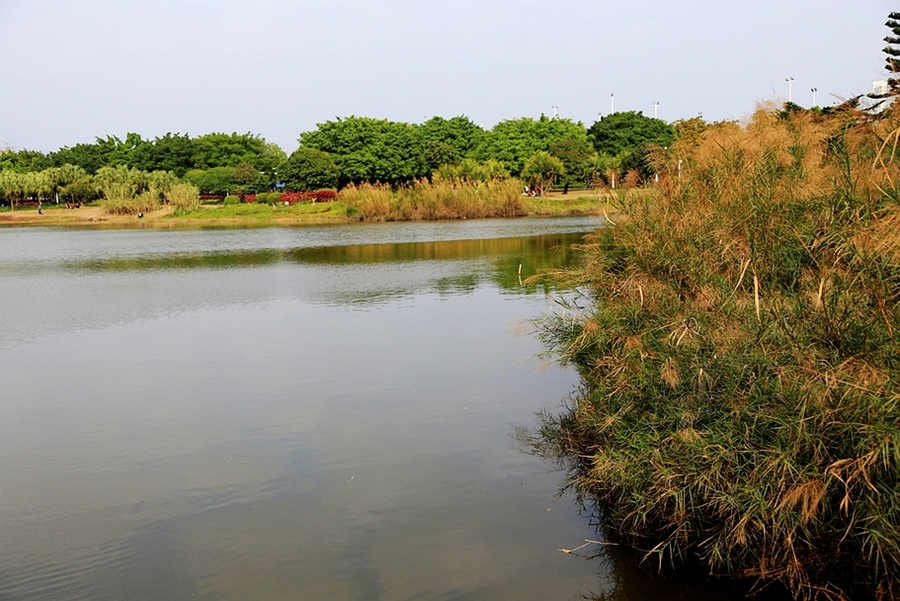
{"x": 11, "y": 186}
{"x": 541, "y": 170}
{"x": 603, "y": 168}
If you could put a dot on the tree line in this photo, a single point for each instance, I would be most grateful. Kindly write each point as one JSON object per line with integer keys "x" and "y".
{"x": 350, "y": 150}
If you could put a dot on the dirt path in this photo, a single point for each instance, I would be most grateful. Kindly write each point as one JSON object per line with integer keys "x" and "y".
{"x": 81, "y": 216}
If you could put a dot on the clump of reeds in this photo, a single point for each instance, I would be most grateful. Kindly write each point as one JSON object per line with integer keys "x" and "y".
{"x": 120, "y": 204}
{"x": 741, "y": 357}
{"x": 440, "y": 199}
{"x": 184, "y": 198}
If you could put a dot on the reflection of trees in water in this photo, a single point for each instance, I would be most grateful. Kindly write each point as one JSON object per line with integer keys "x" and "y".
{"x": 516, "y": 259}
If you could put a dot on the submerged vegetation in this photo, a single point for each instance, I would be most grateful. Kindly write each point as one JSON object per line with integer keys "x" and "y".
{"x": 738, "y": 343}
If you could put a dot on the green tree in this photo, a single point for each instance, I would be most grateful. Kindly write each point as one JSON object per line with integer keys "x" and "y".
{"x": 630, "y": 135}
{"x": 602, "y": 169}
{"x": 458, "y": 132}
{"x": 439, "y": 153}
{"x": 172, "y": 152}
{"x": 892, "y": 60}
{"x": 59, "y": 177}
{"x": 626, "y": 132}
{"x": 87, "y": 156}
{"x": 243, "y": 175}
{"x": 309, "y": 169}
{"x": 541, "y": 170}
{"x": 11, "y": 186}
{"x": 227, "y": 150}
{"x": 575, "y": 155}
{"x": 371, "y": 150}
{"x": 24, "y": 160}
{"x": 513, "y": 142}
{"x": 212, "y": 181}
{"x": 81, "y": 190}
{"x": 470, "y": 170}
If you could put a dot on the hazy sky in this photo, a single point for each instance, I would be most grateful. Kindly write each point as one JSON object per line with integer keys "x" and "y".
{"x": 72, "y": 70}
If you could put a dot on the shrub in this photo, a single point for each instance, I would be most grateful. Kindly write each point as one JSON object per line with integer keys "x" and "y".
{"x": 317, "y": 196}
{"x": 184, "y": 197}
{"x": 231, "y": 199}
{"x": 263, "y": 198}
{"x": 145, "y": 202}
{"x": 309, "y": 169}
{"x": 438, "y": 200}
{"x": 741, "y": 392}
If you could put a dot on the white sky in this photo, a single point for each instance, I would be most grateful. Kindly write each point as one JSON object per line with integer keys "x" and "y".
{"x": 72, "y": 70}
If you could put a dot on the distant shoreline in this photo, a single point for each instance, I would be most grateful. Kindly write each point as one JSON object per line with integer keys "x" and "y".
{"x": 555, "y": 204}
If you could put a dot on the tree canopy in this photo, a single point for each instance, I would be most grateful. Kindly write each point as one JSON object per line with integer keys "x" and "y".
{"x": 366, "y": 149}
{"x": 513, "y": 142}
{"x": 626, "y": 132}
{"x": 309, "y": 169}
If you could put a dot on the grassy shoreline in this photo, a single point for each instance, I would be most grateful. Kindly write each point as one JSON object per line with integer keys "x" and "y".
{"x": 260, "y": 215}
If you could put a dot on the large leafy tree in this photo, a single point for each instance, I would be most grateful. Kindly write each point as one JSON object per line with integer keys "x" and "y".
{"x": 628, "y": 131}
{"x": 366, "y": 149}
{"x": 575, "y": 155}
{"x": 309, "y": 169}
{"x": 89, "y": 157}
{"x": 460, "y": 133}
{"x": 227, "y": 150}
{"x": 172, "y": 152}
{"x": 24, "y": 160}
{"x": 629, "y": 136}
{"x": 513, "y": 142}
{"x": 217, "y": 180}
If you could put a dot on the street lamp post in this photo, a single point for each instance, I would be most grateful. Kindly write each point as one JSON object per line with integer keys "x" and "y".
{"x": 790, "y": 82}
{"x": 555, "y": 111}
{"x": 612, "y": 103}
{"x": 814, "y": 90}
{"x": 655, "y": 107}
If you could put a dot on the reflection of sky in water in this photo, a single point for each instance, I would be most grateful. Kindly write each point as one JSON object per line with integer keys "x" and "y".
{"x": 209, "y": 420}
{"x": 251, "y": 433}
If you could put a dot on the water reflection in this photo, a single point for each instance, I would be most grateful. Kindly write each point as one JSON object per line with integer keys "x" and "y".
{"x": 309, "y": 425}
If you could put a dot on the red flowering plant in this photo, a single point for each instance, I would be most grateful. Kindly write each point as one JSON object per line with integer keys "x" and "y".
{"x": 292, "y": 198}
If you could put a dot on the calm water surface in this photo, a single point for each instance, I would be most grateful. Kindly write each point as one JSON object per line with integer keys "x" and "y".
{"x": 305, "y": 413}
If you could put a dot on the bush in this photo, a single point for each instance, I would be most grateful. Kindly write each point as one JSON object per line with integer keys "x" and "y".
{"x": 317, "y": 196}
{"x": 309, "y": 169}
{"x": 439, "y": 200}
{"x": 184, "y": 197}
{"x": 145, "y": 202}
{"x": 741, "y": 392}
{"x": 263, "y": 198}
{"x": 231, "y": 199}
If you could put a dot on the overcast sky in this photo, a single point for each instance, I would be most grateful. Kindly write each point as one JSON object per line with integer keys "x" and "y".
{"x": 72, "y": 70}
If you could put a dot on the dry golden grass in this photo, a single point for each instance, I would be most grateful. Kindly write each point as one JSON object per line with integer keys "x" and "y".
{"x": 742, "y": 381}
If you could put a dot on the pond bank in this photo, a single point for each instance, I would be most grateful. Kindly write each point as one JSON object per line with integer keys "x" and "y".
{"x": 554, "y": 204}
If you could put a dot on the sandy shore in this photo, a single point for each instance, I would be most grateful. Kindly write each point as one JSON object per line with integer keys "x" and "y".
{"x": 163, "y": 218}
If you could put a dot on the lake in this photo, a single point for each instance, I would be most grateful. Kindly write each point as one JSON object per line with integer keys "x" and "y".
{"x": 285, "y": 413}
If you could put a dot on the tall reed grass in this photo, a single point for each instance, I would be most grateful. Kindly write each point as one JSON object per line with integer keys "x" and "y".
{"x": 738, "y": 342}
{"x": 122, "y": 204}
{"x": 439, "y": 199}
